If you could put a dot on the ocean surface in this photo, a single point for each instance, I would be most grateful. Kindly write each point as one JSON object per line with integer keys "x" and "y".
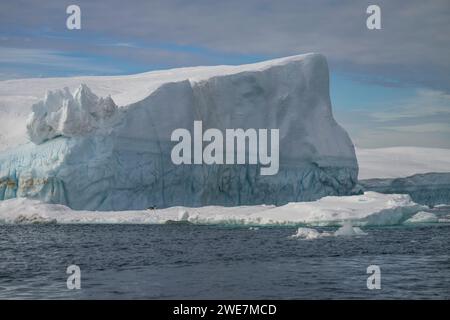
{"x": 221, "y": 262}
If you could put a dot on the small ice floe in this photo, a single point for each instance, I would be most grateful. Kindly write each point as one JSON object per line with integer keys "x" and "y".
{"x": 348, "y": 230}
{"x": 309, "y": 234}
{"x": 423, "y": 217}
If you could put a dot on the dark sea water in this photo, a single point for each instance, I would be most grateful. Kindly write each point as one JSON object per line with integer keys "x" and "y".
{"x": 219, "y": 262}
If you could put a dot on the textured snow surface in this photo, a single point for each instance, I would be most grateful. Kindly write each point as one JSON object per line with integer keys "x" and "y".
{"x": 64, "y": 114}
{"x": 350, "y": 211}
{"x": 91, "y": 156}
{"x": 398, "y": 162}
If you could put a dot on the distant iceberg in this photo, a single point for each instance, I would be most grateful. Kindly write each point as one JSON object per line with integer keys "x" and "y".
{"x": 425, "y": 188}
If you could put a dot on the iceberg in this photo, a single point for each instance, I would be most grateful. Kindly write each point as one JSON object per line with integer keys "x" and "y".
{"x": 113, "y": 153}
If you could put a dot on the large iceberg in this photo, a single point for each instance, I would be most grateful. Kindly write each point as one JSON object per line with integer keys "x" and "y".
{"x": 88, "y": 154}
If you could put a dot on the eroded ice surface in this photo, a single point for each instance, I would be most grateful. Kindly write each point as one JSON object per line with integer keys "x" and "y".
{"x": 64, "y": 114}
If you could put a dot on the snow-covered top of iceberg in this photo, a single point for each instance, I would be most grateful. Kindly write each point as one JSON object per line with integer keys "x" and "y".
{"x": 131, "y": 88}
{"x": 17, "y": 96}
{"x": 64, "y": 114}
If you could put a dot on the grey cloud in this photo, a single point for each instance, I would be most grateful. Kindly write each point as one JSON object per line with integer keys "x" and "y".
{"x": 412, "y": 46}
{"x": 422, "y": 120}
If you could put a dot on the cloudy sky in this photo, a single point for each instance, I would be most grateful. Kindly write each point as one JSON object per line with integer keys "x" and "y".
{"x": 389, "y": 87}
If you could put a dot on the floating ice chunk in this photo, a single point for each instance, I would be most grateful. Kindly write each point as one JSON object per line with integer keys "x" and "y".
{"x": 423, "y": 217}
{"x": 306, "y": 233}
{"x": 64, "y": 114}
{"x": 348, "y": 230}
{"x": 309, "y": 234}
